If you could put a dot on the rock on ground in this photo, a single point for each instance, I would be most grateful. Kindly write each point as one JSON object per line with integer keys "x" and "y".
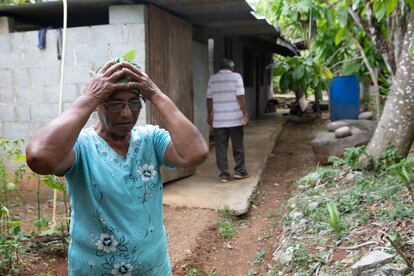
{"x": 373, "y": 260}
{"x": 326, "y": 144}
{"x": 343, "y": 132}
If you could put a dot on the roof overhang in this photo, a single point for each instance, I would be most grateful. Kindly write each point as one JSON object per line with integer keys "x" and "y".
{"x": 208, "y": 17}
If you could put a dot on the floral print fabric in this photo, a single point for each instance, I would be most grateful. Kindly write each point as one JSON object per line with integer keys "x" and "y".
{"x": 116, "y": 220}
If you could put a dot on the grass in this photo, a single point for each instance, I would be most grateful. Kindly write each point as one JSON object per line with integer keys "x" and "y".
{"x": 227, "y": 228}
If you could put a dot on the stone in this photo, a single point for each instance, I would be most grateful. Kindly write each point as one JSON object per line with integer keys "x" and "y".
{"x": 368, "y": 115}
{"x": 387, "y": 270}
{"x": 332, "y": 126}
{"x": 283, "y": 258}
{"x": 312, "y": 206}
{"x": 326, "y": 144}
{"x": 374, "y": 259}
{"x": 343, "y": 132}
{"x": 296, "y": 215}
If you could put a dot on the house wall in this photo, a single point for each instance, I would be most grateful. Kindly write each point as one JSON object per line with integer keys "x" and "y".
{"x": 170, "y": 67}
{"x": 29, "y": 77}
{"x": 256, "y": 93}
{"x": 200, "y": 82}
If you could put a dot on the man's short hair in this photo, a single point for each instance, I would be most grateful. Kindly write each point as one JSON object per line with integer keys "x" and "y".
{"x": 226, "y": 63}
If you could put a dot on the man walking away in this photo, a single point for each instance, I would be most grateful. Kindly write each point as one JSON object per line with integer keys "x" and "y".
{"x": 227, "y": 113}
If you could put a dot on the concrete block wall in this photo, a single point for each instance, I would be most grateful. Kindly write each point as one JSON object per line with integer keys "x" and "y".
{"x": 29, "y": 77}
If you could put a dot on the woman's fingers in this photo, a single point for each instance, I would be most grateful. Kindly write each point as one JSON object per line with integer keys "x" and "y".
{"x": 106, "y": 66}
{"x": 112, "y": 69}
{"x": 124, "y": 86}
{"x": 117, "y": 74}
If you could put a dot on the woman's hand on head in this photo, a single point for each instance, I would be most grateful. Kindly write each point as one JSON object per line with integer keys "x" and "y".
{"x": 142, "y": 82}
{"x": 104, "y": 82}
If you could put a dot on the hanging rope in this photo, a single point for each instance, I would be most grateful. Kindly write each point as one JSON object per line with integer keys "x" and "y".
{"x": 62, "y": 67}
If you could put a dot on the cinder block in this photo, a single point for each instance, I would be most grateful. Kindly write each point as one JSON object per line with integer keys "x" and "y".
{"x": 4, "y": 42}
{"x": 134, "y": 33}
{"x": 44, "y": 112}
{"x": 30, "y": 58}
{"x": 82, "y": 55}
{"x": 49, "y": 58}
{"x": 9, "y": 60}
{"x": 6, "y": 78}
{"x": 26, "y": 94}
{"x": 78, "y": 74}
{"x": 17, "y": 42}
{"x": 31, "y": 39}
{"x": 45, "y": 76}
{"x": 12, "y": 130}
{"x": 21, "y": 77}
{"x": 7, "y": 112}
{"x": 127, "y": 14}
{"x": 106, "y": 34}
{"x": 80, "y": 36}
{"x": 70, "y": 93}
{"x": 22, "y": 113}
{"x": 51, "y": 93}
{"x": 7, "y": 95}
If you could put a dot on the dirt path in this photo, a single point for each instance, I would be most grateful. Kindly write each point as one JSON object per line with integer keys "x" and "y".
{"x": 291, "y": 158}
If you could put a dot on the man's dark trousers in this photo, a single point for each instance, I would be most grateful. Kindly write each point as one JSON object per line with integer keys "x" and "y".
{"x": 221, "y": 138}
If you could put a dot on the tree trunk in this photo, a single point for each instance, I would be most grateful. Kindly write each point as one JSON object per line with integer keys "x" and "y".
{"x": 396, "y": 125}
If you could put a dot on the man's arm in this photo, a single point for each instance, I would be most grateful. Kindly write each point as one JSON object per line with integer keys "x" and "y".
{"x": 242, "y": 102}
{"x": 50, "y": 151}
{"x": 210, "y": 111}
{"x": 188, "y": 147}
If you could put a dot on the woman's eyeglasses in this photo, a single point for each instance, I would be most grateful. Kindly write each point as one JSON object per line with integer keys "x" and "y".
{"x": 118, "y": 106}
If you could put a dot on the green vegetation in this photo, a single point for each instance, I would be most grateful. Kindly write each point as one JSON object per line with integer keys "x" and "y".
{"x": 199, "y": 272}
{"x": 227, "y": 228}
{"x": 13, "y": 171}
{"x": 339, "y": 199}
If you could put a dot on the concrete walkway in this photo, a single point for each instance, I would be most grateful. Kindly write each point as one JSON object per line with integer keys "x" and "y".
{"x": 203, "y": 190}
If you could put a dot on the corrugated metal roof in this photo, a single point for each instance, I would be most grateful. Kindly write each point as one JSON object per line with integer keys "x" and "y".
{"x": 209, "y": 17}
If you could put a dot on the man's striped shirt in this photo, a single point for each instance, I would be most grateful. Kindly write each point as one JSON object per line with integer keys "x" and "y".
{"x": 223, "y": 89}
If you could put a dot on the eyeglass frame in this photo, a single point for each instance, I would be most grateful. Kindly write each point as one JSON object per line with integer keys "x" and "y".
{"x": 106, "y": 104}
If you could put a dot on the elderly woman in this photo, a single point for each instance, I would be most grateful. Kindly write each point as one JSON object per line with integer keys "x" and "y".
{"x": 112, "y": 171}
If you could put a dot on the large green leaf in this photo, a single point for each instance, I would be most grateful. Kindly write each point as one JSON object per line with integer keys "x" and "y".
{"x": 390, "y": 6}
{"x": 328, "y": 74}
{"x": 21, "y": 157}
{"x": 299, "y": 72}
{"x": 380, "y": 9}
{"x": 53, "y": 182}
{"x": 14, "y": 223}
{"x": 410, "y": 3}
{"x": 339, "y": 35}
{"x": 279, "y": 70}
{"x": 352, "y": 68}
{"x": 130, "y": 55}
{"x": 284, "y": 82}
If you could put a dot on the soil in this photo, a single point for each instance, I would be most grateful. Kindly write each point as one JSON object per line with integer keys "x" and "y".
{"x": 194, "y": 242}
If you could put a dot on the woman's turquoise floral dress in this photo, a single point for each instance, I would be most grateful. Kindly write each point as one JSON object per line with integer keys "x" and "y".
{"x": 116, "y": 221}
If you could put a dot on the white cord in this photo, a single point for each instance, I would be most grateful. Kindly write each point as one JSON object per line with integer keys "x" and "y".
{"x": 62, "y": 67}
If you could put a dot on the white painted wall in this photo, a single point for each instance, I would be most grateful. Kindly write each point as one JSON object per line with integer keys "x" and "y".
{"x": 29, "y": 77}
{"x": 200, "y": 82}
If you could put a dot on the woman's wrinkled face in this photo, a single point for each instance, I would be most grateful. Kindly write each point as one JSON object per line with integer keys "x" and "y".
{"x": 119, "y": 113}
